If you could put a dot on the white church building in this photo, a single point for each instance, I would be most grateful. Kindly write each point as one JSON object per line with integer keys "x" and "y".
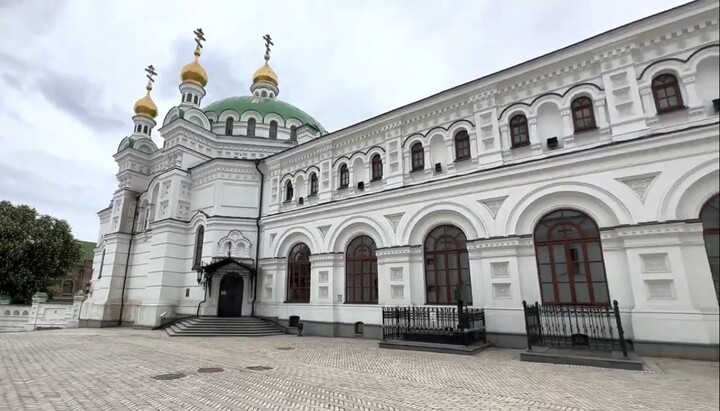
{"x": 586, "y": 175}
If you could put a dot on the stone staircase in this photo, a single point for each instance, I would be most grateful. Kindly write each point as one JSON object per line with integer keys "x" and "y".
{"x": 223, "y": 327}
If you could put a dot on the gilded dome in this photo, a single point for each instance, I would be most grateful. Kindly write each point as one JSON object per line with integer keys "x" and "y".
{"x": 146, "y": 106}
{"x": 194, "y": 73}
{"x": 265, "y": 74}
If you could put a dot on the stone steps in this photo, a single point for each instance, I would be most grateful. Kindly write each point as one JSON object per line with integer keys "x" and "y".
{"x": 223, "y": 327}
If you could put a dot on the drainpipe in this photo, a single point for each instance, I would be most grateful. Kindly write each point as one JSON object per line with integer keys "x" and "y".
{"x": 127, "y": 261}
{"x": 257, "y": 246}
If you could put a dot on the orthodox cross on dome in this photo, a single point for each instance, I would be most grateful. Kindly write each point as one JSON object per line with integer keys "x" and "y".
{"x": 268, "y": 43}
{"x": 151, "y": 73}
{"x": 199, "y": 37}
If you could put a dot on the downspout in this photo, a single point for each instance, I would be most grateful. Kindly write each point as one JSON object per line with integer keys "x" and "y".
{"x": 203, "y": 301}
{"x": 257, "y": 246}
{"x": 127, "y": 261}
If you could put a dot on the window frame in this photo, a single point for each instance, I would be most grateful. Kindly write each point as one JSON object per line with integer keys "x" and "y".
{"x": 72, "y": 288}
{"x": 273, "y": 130}
{"x": 251, "y": 125}
{"x": 675, "y": 86}
{"x": 199, "y": 242}
{"x": 417, "y": 157}
{"x": 562, "y": 248}
{"x": 711, "y": 228}
{"x": 293, "y": 133}
{"x": 521, "y": 127}
{"x": 376, "y": 166}
{"x": 344, "y": 176}
{"x": 299, "y": 275}
{"x": 462, "y": 145}
{"x": 314, "y": 185}
{"x": 576, "y": 117}
{"x": 229, "y": 126}
{"x": 441, "y": 274}
{"x": 289, "y": 191}
{"x": 362, "y": 267}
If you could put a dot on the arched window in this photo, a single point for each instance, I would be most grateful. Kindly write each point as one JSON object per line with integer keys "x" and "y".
{"x": 251, "y": 127}
{"x": 313, "y": 184}
{"x": 447, "y": 266}
{"x": 102, "y": 263}
{"x": 299, "y": 274}
{"x": 519, "y": 135}
{"x": 293, "y": 133}
{"x": 710, "y": 217}
{"x": 417, "y": 157}
{"x": 199, "y": 240}
{"x": 377, "y": 167}
{"x": 273, "y": 130}
{"x": 666, "y": 92}
{"x": 462, "y": 145}
{"x": 67, "y": 287}
{"x": 570, "y": 259}
{"x": 196, "y": 99}
{"x": 229, "y": 126}
{"x": 583, "y": 114}
{"x": 361, "y": 273}
{"x": 344, "y": 176}
{"x": 288, "y": 191}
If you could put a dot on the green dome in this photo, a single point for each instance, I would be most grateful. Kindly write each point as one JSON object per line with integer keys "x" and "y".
{"x": 263, "y": 106}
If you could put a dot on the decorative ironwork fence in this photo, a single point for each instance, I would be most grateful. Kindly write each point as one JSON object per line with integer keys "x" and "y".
{"x": 575, "y": 326}
{"x": 446, "y": 325}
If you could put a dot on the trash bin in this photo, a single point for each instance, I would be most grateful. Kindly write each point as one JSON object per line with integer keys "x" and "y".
{"x": 294, "y": 321}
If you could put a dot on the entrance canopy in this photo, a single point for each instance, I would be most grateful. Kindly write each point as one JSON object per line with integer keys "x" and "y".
{"x": 224, "y": 266}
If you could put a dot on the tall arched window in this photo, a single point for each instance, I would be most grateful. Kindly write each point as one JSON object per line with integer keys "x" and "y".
{"x": 344, "y": 176}
{"x": 199, "y": 240}
{"x": 417, "y": 157}
{"x": 583, "y": 114}
{"x": 313, "y": 184}
{"x": 288, "y": 191}
{"x": 377, "y": 167}
{"x": 229, "y": 126}
{"x": 293, "y": 133}
{"x": 519, "y": 134}
{"x": 67, "y": 287}
{"x": 666, "y": 92}
{"x": 251, "y": 127}
{"x": 361, "y": 273}
{"x": 299, "y": 274}
{"x": 447, "y": 266}
{"x": 710, "y": 217}
{"x": 462, "y": 145}
{"x": 273, "y": 130}
{"x": 570, "y": 259}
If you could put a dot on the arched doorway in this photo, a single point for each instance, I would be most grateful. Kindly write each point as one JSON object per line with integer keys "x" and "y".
{"x": 710, "y": 217}
{"x": 446, "y": 266}
{"x": 570, "y": 259}
{"x": 231, "y": 296}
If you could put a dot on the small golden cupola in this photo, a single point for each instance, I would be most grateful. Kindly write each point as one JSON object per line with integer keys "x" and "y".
{"x": 193, "y": 76}
{"x": 145, "y": 108}
{"x": 265, "y": 81}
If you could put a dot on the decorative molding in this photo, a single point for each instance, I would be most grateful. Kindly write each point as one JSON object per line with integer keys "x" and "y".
{"x": 493, "y": 204}
{"x": 394, "y": 219}
{"x": 323, "y": 292}
{"x": 234, "y": 243}
{"x": 655, "y": 263}
{"x": 501, "y": 290}
{"x": 639, "y": 183}
{"x": 323, "y": 229}
{"x": 323, "y": 277}
{"x": 397, "y": 291}
{"x": 660, "y": 289}
{"x": 396, "y": 274}
{"x": 500, "y": 269}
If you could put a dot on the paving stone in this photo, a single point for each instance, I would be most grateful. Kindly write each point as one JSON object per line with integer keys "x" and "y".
{"x": 112, "y": 369}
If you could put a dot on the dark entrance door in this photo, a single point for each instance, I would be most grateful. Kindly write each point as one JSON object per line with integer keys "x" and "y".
{"x": 231, "y": 293}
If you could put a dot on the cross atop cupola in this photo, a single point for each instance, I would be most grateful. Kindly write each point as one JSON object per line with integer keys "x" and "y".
{"x": 265, "y": 81}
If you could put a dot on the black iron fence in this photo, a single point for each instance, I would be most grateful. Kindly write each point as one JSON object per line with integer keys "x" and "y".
{"x": 446, "y": 325}
{"x": 575, "y": 326}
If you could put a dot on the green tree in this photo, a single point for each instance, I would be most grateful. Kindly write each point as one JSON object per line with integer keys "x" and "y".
{"x": 35, "y": 251}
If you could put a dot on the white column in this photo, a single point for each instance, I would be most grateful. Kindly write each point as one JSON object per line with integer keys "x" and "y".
{"x": 535, "y": 142}
{"x": 568, "y": 136}
{"x": 394, "y": 276}
{"x": 450, "y": 155}
{"x": 648, "y": 102}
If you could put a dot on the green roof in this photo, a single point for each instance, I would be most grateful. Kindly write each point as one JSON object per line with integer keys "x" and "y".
{"x": 264, "y": 107}
{"x": 88, "y": 250}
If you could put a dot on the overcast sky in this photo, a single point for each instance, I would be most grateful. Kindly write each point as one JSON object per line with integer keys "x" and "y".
{"x": 70, "y": 71}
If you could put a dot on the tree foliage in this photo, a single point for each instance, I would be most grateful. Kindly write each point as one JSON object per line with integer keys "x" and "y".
{"x": 35, "y": 251}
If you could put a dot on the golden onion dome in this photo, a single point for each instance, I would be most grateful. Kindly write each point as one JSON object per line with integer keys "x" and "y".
{"x": 194, "y": 73}
{"x": 265, "y": 73}
{"x": 146, "y": 106}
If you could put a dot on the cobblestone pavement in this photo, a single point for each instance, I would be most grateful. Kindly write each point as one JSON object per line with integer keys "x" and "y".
{"x": 112, "y": 369}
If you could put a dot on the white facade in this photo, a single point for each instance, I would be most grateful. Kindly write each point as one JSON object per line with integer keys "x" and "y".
{"x": 641, "y": 176}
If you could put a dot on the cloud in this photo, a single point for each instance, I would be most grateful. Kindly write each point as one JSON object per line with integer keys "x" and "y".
{"x": 70, "y": 71}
